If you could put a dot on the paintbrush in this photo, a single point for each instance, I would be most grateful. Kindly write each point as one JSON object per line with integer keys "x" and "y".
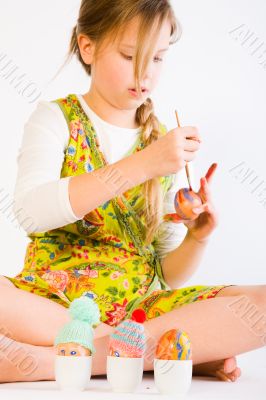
{"x": 187, "y": 168}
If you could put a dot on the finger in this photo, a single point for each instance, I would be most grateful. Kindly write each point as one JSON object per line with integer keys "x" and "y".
{"x": 205, "y": 187}
{"x": 191, "y": 132}
{"x": 209, "y": 208}
{"x": 189, "y": 155}
{"x": 201, "y": 209}
{"x": 191, "y": 145}
{"x": 210, "y": 172}
{"x": 204, "y": 192}
{"x": 173, "y": 218}
{"x": 195, "y": 138}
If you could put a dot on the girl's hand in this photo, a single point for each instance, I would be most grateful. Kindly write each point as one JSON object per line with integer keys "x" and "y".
{"x": 207, "y": 220}
{"x": 170, "y": 152}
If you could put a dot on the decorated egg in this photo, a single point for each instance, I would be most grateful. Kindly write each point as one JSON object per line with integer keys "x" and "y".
{"x": 128, "y": 339}
{"x": 185, "y": 200}
{"x": 174, "y": 345}
{"x": 72, "y": 349}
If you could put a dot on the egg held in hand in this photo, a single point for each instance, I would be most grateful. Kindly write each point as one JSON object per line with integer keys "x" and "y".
{"x": 185, "y": 200}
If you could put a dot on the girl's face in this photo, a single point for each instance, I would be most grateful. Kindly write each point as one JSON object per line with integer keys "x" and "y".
{"x": 112, "y": 72}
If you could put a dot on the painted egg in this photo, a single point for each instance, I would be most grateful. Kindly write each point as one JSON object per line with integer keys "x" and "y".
{"x": 128, "y": 338}
{"x": 72, "y": 349}
{"x": 185, "y": 200}
{"x": 174, "y": 345}
{"x": 115, "y": 353}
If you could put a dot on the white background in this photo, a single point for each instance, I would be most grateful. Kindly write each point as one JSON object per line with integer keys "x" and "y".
{"x": 213, "y": 80}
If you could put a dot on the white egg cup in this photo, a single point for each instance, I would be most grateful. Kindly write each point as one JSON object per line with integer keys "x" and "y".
{"x": 173, "y": 377}
{"x": 124, "y": 374}
{"x": 72, "y": 372}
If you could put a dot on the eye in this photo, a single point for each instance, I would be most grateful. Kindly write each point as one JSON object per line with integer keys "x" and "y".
{"x": 62, "y": 351}
{"x": 73, "y": 352}
{"x": 129, "y": 58}
{"x": 126, "y": 57}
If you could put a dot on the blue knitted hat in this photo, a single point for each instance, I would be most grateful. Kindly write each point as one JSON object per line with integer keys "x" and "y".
{"x": 84, "y": 313}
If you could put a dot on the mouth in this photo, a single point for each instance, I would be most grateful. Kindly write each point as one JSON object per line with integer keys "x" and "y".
{"x": 134, "y": 91}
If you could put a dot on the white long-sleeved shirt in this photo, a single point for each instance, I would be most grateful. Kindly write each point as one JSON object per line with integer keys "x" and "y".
{"x": 41, "y": 197}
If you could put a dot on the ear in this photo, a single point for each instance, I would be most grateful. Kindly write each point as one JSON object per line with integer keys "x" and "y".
{"x": 86, "y": 48}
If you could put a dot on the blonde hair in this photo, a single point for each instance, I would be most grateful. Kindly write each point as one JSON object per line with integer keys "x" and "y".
{"x": 101, "y": 20}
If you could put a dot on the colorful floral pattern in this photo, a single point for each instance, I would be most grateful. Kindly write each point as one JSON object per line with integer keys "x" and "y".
{"x": 102, "y": 255}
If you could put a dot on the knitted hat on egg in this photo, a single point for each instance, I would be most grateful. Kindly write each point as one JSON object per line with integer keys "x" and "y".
{"x": 129, "y": 337}
{"x": 84, "y": 313}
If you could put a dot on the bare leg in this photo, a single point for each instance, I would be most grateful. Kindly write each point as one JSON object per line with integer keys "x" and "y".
{"x": 218, "y": 334}
{"x": 29, "y": 318}
{"x": 221, "y": 331}
{"x": 227, "y": 369}
{"x": 21, "y": 362}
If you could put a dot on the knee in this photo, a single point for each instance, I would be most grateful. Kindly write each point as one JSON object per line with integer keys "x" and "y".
{"x": 6, "y": 282}
{"x": 255, "y": 295}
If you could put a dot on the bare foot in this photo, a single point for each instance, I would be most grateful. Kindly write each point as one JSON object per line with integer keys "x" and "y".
{"x": 225, "y": 370}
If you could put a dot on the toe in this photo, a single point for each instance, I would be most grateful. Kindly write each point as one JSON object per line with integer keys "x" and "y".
{"x": 234, "y": 375}
{"x": 230, "y": 371}
{"x": 230, "y": 365}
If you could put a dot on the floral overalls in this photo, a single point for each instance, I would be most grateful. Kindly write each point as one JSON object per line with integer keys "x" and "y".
{"x": 101, "y": 255}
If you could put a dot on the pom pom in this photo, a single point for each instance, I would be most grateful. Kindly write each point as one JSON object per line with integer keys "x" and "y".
{"x": 139, "y": 315}
{"x": 85, "y": 309}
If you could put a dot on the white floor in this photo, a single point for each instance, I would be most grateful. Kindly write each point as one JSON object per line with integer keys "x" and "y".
{"x": 250, "y": 386}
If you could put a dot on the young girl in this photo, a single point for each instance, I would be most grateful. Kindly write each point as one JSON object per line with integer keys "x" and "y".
{"x": 96, "y": 180}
